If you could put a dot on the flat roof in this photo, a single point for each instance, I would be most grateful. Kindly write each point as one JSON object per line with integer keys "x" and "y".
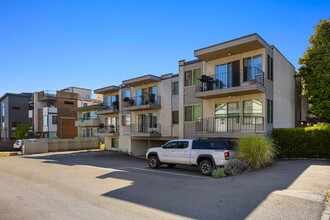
{"x": 14, "y": 94}
{"x": 107, "y": 89}
{"x": 141, "y": 80}
{"x": 235, "y": 46}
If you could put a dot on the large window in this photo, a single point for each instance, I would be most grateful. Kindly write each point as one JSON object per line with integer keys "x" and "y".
{"x": 227, "y": 117}
{"x": 153, "y": 120}
{"x": 192, "y": 113}
{"x": 175, "y": 117}
{"x": 175, "y": 88}
{"x": 270, "y": 111}
{"x": 146, "y": 95}
{"x": 252, "y": 111}
{"x": 126, "y": 94}
{"x": 252, "y": 67}
{"x": 191, "y": 76}
{"x": 45, "y": 120}
{"x": 93, "y": 115}
{"x": 111, "y": 101}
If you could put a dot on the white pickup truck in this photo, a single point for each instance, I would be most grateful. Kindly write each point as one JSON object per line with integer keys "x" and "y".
{"x": 207, "y": 154}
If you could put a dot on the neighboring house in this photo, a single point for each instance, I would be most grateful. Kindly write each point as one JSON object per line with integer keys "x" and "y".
{"x": 84, "y": 95}
{"x": 51, "y": 114}
{"x": 243, "y": 86}
{"x": 13, "y": 111}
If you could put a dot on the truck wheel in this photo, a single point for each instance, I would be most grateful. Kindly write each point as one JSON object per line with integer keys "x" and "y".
{"x": 171, "y": 165}
{"x": 153, "y": 162}
{"x": 206, "y": 167}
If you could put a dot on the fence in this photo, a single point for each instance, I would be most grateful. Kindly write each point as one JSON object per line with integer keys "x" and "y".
{"x": 6, "y": 145}
{"x": 45, "y": 145}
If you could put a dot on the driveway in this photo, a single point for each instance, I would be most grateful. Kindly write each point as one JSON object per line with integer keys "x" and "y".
{"x": 109, "y": 185}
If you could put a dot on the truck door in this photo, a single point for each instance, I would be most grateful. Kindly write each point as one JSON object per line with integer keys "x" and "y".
{"x": 181, "y": 154}
{"x": 166, "y": 155}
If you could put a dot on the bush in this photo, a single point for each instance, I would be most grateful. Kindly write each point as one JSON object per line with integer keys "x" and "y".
{"x": 235, "y": 166}
{"x": 257, "y": 151}
{"x": 311, "y": 142}
{"x": 218, "y": 173}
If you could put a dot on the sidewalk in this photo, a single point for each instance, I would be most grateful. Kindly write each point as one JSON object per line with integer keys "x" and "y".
{"x": 303, "y": 199}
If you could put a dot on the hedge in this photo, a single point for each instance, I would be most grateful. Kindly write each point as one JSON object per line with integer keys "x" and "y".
{"x": 312, "y": 142}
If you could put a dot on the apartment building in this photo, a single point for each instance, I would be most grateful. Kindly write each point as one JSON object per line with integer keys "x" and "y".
{"x": 14, "y": 111}
{"x": 137, "y": 114}
{"x": 236, "y": 88}
{"x": 239, "y": 87}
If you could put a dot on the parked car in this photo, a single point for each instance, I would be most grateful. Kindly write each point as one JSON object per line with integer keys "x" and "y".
{"x": 207, "y": 154}
{"x": 18, "y": 144}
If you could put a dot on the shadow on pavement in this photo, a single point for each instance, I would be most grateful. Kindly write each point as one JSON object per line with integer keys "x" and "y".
{"x": 200, "y": 198}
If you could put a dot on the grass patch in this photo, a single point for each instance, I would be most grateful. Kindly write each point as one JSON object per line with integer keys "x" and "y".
{"x": 219, "y": 173}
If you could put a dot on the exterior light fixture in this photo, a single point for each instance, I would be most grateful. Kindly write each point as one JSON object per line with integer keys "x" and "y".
{"x": 229, "y": 53}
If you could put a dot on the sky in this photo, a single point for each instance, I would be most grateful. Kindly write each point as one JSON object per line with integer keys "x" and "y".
{"x": 54, "y": 44}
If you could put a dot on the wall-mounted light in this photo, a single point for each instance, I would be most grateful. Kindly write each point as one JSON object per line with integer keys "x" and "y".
{"x": 229, "y": 53}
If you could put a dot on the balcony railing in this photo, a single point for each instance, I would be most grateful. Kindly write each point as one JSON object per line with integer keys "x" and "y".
{"x": 50, "y": 94}
{"x": 142, "y": 100}
{"x": 146, "y": 129}
{"x": 229, "y": 79}
{"x": 109, "y": 129}
{"x": 230, "y": 124}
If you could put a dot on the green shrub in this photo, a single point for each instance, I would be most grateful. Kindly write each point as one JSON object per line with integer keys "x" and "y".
{"x": 234, "y": 167}
{"x": 218, "y": 173}
{"x": 257, "y": 151}
{"x": 311, "y": 142}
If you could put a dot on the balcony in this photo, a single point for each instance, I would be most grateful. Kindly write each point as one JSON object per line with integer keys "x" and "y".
{"x": 229, "y": 126}
{"x": 49, "y": 94}
{"x": 142, "y": 102}
{"x": 87, "y": 122}
{"x": 109, "y": 130}
{"x": 108, "y": 110}
{"x": 228, "y": 84}
{"x": 145, "y": 130}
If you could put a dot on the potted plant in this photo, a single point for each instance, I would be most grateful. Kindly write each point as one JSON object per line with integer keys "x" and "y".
{"x": 126, "y": 99}
{"x": 115, "y": 105}
{"x": 131, "y": 102}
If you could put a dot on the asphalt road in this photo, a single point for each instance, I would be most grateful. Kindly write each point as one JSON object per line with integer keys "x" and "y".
{"x": 108, "y": 185}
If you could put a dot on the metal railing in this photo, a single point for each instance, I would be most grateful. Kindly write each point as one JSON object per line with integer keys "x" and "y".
{"x": 230, "y": 124}
{"x": 114, "y": 106}
{"x": 109, "y": 129}
{"x": 82, "y": 119}
{"x": 146, "y": 128}
{"x": 50, "y": 94}
{"x": 142, "y": 100}
{"x": 229, "y": 79}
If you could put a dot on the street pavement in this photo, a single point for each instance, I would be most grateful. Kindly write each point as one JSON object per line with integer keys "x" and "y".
{"x": 110, "y": 185}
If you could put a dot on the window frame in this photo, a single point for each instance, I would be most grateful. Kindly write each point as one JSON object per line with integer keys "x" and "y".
{"x": 44, "y": 122}
{"x": 192, "y": 112}
{"x": 175, "y": 88}
{"x": 177, "y": 116}
{"x": 192, "y": 76}
{"x": 54, "y": 116}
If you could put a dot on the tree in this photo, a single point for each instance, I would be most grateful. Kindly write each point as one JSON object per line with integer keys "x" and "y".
{"x": 315, "y": 71}
{"x": 21, "y": 131}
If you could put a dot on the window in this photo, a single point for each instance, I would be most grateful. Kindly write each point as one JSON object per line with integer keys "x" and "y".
{"x": 68, "y": 102}
{"x": 191, "y": 76}
{"x": 270, "y": 111}
{"x": 30, "y": 121}
{"x": 175, "y": 88}
{"x": 192, "y": 113}
{"x": 54, "y": 120}
{"x": 227, "y": 117}
{"x": 126, "y": 94}
{"x": 15, "y": 108}
{"x": 182, "y": 144}
{"x": 115, "y": 143}
{"x": 3, "y": 109}
{"x": 252, "y": 111}
{"x": 269, "y": 68}
{"x": 85, "y": 104}
{"x": 111, "y": 101}
{"x": 170, "y": 145}
{"x": 153, "y": 120}
{"x": 175, "y": 117}
{"x": 14, "y": 125}
{"x": 87, "y": 96}
{"x": 93, "y": 115}
{"x": 252, "y": 66}
{"x": 45, "y": 120}
{"x": 126, "y": 120}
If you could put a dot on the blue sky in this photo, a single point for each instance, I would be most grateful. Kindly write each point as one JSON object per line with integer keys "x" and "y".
{"x": 53, "y": 44}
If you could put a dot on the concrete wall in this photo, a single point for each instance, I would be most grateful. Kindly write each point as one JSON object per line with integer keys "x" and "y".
{"x": 284, "y": 92}
{"x": 35, "y": 146}
{"x": 72, "y": 144}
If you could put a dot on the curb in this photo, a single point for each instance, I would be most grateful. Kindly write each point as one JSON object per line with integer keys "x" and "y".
{"x": 8, "y": 154}
{"x": 326, "y": 212}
